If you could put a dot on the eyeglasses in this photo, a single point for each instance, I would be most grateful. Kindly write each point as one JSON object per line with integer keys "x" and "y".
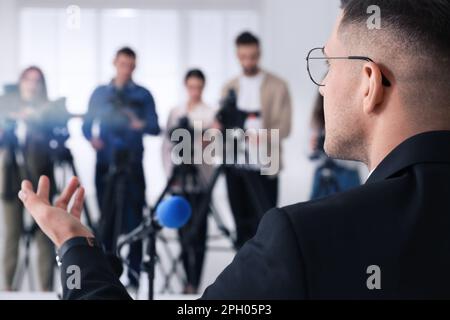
{"x": 318, "y": 66}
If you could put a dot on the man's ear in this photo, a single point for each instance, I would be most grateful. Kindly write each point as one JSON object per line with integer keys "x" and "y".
{"x": 372, "y": 87}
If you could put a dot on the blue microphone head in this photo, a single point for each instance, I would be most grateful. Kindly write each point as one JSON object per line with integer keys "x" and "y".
{"x": 174, "y": 212}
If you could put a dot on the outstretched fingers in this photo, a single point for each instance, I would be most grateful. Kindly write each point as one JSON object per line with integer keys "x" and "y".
{"x": 43, "y": 190}
{"x": 63, "y": 200}
{"x": 77, "y": 207}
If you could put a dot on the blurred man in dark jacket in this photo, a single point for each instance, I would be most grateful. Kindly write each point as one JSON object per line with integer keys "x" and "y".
{"x": 119, "y": 115}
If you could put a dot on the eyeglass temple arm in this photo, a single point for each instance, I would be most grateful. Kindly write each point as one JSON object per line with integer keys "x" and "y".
{"x": 384, "y": 80}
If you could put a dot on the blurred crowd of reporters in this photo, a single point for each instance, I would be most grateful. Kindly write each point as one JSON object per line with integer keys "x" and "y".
{"x": 34, "y": 130}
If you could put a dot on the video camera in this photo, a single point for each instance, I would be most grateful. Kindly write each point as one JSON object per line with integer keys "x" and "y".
{"x": 117, "y": 124}
{"x": 48, "y": 125}
{"x": 118, "y": 120}
{"x": 229, "y": 116}
{"x": 57, "y": 118}
{"x": 183, "y": 124}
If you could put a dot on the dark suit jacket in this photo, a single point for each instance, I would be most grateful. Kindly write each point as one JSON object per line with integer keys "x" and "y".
{"x": 399, "y": 221}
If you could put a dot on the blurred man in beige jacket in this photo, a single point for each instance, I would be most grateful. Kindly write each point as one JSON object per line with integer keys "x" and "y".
{"x": 265, "y": 98}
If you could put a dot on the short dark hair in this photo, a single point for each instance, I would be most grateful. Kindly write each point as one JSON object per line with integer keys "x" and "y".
{"x": 195, "y": 73}
{"x": 126, "y": 51}
{"x": 412, "y": 43}
{"x": 424, "y": 23}
{"x": 247, "y": 38}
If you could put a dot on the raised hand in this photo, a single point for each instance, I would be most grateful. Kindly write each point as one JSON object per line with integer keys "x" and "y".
{"x": 58, "y": 222}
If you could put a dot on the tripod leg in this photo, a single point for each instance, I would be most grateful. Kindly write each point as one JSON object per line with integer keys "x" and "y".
{"x": 24, "y": 267}
{"x": 30, "y": 276}
{"x": 167, "y": 288}
{"x": 108, "y": 213}
{"x": 165, "y": 275}
{"x": 204, "y": 206}
{"x": 220, "y": 225}
{"x": 167, "y": 188}
{"x": 173, "y": 270}
{"x": 119, "y": 210}
{"x": 18, "y": 277}
{"x": 151, "y": 251}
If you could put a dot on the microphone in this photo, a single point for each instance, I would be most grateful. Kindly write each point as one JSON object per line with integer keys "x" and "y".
{"x": 172, "y": 213}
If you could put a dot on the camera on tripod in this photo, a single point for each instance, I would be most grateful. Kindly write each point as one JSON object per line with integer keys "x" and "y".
{"x": 7, "y": 128}
{"x": 47, "y": 125}
{"x": 183, "y": 124}
{"x": 118, "y": 119}
{"x": 57, "y": 118}
{"x": 117, "y": 124}
{"x": 229, "y": 115}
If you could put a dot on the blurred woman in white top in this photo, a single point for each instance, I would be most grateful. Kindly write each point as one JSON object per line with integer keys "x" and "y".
{"x": 190, "y": 180}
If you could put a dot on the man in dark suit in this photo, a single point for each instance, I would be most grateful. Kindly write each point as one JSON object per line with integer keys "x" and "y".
{"x": 386, "y": 104}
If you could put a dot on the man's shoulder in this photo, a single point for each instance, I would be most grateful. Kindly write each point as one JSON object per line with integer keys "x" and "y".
{"x": 369, "y": 202}
{"x": 101, "y": 88}
{"x": 141, "y": 89}
{"x": 275, "y": 79}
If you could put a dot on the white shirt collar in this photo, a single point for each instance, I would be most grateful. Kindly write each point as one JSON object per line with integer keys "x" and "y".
{"x": 370, "y": 173}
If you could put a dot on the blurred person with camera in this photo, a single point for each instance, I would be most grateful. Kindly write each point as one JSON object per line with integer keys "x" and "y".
{"x": 30, "y": 123}
{"x": 266, "y": 101}
{"x": 191, "y": 180}
{"x": 331, "y": 175}
{"x": 119, "y": 114}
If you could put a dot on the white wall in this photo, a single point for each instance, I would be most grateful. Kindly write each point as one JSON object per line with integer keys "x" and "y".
{"x": 8, "y": 35}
